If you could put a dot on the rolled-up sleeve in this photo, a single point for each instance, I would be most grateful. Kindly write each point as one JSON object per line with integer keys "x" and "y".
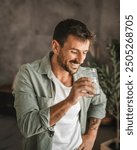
{"x": 31, "y": 119}
{"x": 97, "y": 106}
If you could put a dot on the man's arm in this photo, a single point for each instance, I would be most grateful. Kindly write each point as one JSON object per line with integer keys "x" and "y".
{"x": 90, "y": 134}
{"x": 59, "y": 110}
{"x": 92, "y": 125}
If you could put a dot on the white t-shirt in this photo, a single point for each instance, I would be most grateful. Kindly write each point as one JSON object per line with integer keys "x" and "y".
{"x": 67, "y": 130}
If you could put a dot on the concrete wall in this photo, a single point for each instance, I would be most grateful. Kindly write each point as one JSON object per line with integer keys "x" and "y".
{"x": 26, "y": 27}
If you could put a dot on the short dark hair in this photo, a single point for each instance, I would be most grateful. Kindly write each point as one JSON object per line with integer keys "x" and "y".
{"x": 71, "y": 27}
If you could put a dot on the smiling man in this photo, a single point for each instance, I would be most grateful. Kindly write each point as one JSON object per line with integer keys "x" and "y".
{"x": 72, "y": 54}
{"x": 56, "y": 106}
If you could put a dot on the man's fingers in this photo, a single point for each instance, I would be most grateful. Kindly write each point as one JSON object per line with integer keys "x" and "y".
{"x": 84, "y": 79}
{"x": 85, "y": 83}
{"x": 90, "y": 90}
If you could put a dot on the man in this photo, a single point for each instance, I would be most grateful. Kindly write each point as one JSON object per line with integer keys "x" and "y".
{"x": 56, "y": 107}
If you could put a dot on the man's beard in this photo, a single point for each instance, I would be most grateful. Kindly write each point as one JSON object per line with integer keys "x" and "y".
{"x": 65, "y": 66}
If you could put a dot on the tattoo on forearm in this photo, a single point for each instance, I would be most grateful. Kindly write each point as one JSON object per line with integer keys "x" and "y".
{"x": 93, "y": 123}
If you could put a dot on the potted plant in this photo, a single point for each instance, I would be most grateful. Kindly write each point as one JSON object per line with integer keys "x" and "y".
{"x": 109, "y": 78}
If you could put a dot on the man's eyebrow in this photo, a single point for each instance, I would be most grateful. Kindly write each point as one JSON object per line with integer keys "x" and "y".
{"x": 77, "y": 49}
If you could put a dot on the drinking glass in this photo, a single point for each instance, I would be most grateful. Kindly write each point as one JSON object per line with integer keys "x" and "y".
{"x": 92, "y": 73}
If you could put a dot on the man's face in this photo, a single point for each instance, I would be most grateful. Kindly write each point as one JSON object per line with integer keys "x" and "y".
{"x": 72, "y": 54}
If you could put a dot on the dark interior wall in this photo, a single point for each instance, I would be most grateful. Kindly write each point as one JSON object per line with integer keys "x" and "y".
{"x": 26, "y": 27}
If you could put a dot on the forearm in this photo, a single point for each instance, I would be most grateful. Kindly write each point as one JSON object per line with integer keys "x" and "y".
{"x": 58, "y": 111}
{"x": 90, "y": 135}
{"x": 92, "y": 127}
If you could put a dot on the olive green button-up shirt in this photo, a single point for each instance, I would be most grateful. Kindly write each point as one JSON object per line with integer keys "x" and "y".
{"x": 34, "y": 93}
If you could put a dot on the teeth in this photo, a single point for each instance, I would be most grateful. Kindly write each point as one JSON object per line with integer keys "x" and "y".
{"x": 75, "y": 65}
{"x": 84, "y": 91}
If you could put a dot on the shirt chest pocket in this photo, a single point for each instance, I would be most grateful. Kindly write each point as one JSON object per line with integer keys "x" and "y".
{"x": 45, "y": 102}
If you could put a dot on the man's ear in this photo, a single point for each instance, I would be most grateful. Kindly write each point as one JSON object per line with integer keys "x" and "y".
{"x": 55, "y": 46}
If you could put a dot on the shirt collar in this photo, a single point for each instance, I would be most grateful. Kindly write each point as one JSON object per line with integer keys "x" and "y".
{"x": 45, "y": 65}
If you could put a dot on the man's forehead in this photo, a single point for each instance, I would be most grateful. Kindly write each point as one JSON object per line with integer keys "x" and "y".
{"x": 73, "y": 40}
{"x": 76, "y": 38}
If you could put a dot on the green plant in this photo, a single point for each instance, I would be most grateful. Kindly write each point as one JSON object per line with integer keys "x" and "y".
{"x": 109, "y": 78}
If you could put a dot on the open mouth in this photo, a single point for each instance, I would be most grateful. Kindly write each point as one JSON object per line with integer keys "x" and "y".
{"x": 74, "y": 65}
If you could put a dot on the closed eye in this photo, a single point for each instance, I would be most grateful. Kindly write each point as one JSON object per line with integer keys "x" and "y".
{"x": 85, "y": 52}
{"x": 74, "y": 51}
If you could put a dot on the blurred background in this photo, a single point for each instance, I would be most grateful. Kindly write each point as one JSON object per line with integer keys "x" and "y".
{"x": 26, "y": 29}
